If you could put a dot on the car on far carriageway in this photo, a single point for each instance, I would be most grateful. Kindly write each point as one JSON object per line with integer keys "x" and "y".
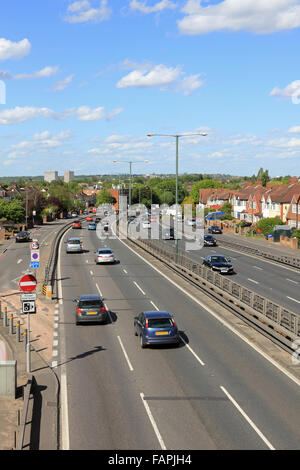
{"x": 92, "y": 226}
{"x": 214, "y": 229}
{"x": 90, "y": 308}
{"x": 104, "y": 255}
{"x": 156, "y": 327}
{"x": 22, "y": 237}
{"x": 219, "y": 263}
{"x": 209, "y": 240}
{"x": 89, "y": 218}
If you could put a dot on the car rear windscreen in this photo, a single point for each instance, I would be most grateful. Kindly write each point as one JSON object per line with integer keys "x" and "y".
{"x": 90, "y": 304}
{"x": 105, "y": 252}
{"x": 74, "y": 242}
{"x": 159, "y": 322}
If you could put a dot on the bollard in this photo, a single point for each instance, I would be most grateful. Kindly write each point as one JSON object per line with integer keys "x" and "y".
{"x": 11, "y": 324}
{"x": 18, "y": 331}
{"x": 25, "y": 338}
{"x": 5, "y": 316}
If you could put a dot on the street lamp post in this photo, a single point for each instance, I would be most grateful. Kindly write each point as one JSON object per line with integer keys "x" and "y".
{"x": 203, "y": 134}
{"x": 130, "y": 172}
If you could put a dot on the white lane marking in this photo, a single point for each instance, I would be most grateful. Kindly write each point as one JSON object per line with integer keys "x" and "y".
{"x": 108, "y": 313}
{"x": 139, "y": 287}
{"x": 156, "y": 308}
{"x": 65, "y": 420}
{"x": 295, "y": 300}
{"x": 19, "y": 261}
{"x": 154, "y": 425}
{"x": 261, "y": 435}
{"x": 217, "y": 317}
{"x": 54, "y": 364}
{"x": 125, "y": 354}
{"x": 291, "y": 280}
{"x": 193, "y": 352}
{"x": 257, "y": 267}
{"x": 252, "y": 280}
{"x": 125, "y": 271}
{"x": 55, "y": 343}
{"x": 91, "y": 273}
{"x": 86, "y": 260}
{"x": 99, "y": 290}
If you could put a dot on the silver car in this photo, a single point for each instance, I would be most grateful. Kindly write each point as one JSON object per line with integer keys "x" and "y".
{"x": 104, "y": 255}
{"x": 74, "y": 245}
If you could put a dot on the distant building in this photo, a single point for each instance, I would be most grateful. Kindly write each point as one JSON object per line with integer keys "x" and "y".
{"x": 68, "y": 176}
{"x": 50, "y": 176}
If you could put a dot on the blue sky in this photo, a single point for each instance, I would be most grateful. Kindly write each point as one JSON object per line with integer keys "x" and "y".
{"x": 87, "y": 80}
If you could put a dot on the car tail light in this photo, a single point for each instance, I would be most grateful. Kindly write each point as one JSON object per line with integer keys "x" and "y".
{"x": 147, "y": 322}
{"x": 78, "y": 310}
{"x": 111, "y": 256}
{"x": 100, "y": 256}
{"x": 174, "y": 323}
{"x": 103, "y": 309}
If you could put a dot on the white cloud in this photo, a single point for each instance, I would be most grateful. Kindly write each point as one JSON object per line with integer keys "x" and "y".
{"x": 290, "y": 91}
{"x": 83, "y": 12}
{"x": 43, "y": 141}
{"x": 160, "y": 75}
{"x": 62, "y": 84}
{"x": 83, "y": 113}
{"x": 14, "y": 50}
{"x": 190, "y": 84}
{"x": 142, "y": 7}
{"x": 262, "y": 17}
{"x": 43, "y": 73}
{"x": 294, "y": 130}
{"x": 147, "y": 75}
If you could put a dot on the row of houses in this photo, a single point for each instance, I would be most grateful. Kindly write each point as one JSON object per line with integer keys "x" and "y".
{"x": 256, "y": 202}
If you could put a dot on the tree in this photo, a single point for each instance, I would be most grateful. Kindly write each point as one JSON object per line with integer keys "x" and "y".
{"x": 267, "y": 225}
{"x": 104, "y": 197}
{"x": 207, "y": 183}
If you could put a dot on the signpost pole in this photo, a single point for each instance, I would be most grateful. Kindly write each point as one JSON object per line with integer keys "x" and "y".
{"x": 28, "y": 358}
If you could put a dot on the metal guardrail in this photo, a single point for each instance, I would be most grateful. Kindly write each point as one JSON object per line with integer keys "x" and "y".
{"x": 278, "y": 321}
{"x": 283, "y": 259}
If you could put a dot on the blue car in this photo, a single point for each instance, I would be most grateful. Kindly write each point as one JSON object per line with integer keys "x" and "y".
{"x": 92, "y": 226}
{"x": 156, "y": 327}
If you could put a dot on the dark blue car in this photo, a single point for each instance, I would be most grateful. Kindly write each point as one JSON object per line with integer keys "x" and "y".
{"x": 156, "y": 327}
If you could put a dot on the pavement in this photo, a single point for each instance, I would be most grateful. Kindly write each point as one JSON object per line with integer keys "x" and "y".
{"x": 41, "y": 431}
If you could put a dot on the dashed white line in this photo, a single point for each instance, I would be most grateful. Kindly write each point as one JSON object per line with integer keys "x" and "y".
{"x": 124, "y": 270}
{"x": 295, "y": 300}
{"x": 135, "y": 283}
{"x": 156, "y": 308}
{"x": 154, "y": 425}
{"x": 193, "y": 352}
{"x": 261, "y": 435}
{"x": 252, "y": 280}
{"x": 99, "y": 290}
{"x": 91, "y": 273}
{"x": 257, "y": 267}
{"x": 19, "y": 261}
{"x": 291, "y": 280}
{"x": 125, "y": 354}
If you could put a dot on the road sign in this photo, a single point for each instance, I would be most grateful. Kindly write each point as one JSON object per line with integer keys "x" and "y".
{"x": 25, "y": 297}
{"x": 28, "y": 283}
{"x": 34, "y": 264}
{"x": 28, "y": 306}
{"x": 34, "y": 245}
{"x": 35, "y": 255}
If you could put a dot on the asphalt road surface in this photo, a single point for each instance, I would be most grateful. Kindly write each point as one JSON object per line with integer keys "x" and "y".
{"x": 212, "y": 392}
